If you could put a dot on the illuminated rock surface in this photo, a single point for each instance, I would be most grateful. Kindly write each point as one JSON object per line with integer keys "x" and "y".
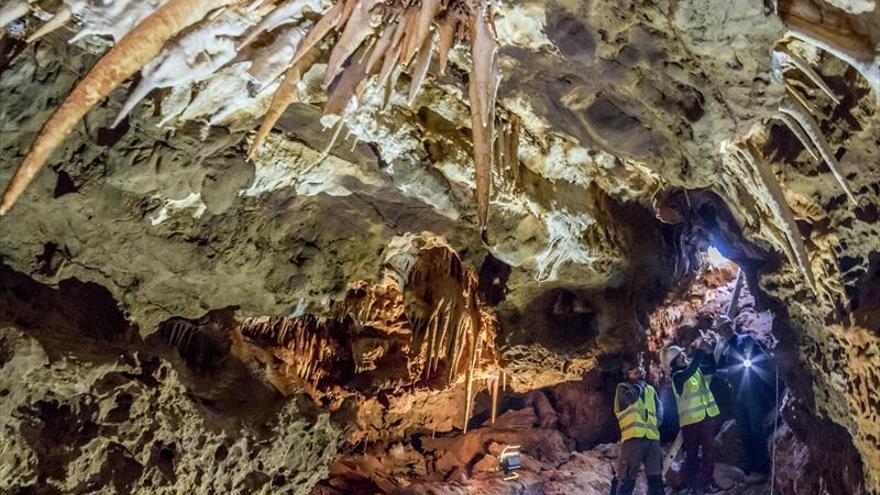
{"x": 175, "y": 317}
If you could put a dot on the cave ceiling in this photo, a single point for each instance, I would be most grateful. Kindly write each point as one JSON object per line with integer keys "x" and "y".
{"x": 613, "y": 122}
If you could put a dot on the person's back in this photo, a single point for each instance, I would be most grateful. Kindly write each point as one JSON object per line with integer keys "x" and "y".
{"x": 638, "y": 409}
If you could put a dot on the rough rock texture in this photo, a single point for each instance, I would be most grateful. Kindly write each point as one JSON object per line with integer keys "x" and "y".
{"x": 646, "y": 135}
{"x": 87, "y": 406}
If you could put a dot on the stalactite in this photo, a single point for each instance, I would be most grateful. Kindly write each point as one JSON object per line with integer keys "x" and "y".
{"x": 435, "y": 327}
{"x": 304, "y": 344}
{"x": 796, "y": 95}
{"x": 283, "y": 97}
{"x": 859, "y": 54}
{"x": 812, "y": 130}
{"x": 286, "y": 13}
{"x": 784, "y": 57}
{"x": 482, "y": 89}
{"x": 453, "y": 327}
{"x": 193, "y": 57}
{"x": 799, "y": 133}
{"x": 270, "y": 62}
{"x": 422, "y": 62}
{"x": 748, "y": 152}
{"x": 364, "y": 25}
{"x": 493, "y": 392}
{"x": 62, "y": 17}
{"x": 137, "y": 48}
{"x": 114, "y": 18}
{"x": 12, "y": 11}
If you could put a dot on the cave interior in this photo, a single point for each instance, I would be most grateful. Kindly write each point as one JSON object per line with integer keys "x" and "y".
{"x": 327, "y": 247}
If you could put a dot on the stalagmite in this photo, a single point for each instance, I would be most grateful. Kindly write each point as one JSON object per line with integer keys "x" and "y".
{"x": 812, "y": 130}
{"x": 120, "y": 63}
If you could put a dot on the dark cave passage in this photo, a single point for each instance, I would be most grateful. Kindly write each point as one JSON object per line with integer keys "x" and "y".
{"x": 555, "y": 396}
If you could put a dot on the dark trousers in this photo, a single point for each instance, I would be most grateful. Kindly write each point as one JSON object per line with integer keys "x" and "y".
{"x": 699, "y": 449}
{"x": 633, "y": 453}
{"x": 749, "y": 417}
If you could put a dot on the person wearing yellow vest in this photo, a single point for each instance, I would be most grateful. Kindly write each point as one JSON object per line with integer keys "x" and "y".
{"x": 697, "y": 411}
{"x": 638, "y": 409}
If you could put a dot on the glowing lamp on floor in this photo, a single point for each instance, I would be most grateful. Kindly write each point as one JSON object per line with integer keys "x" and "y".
{"x": 509, "y": 462}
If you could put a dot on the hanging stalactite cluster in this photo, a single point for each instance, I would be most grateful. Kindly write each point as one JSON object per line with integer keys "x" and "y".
{"x": 375, "y": 305}
{"x": 182, "y": 41}
{"x": 312, "y": 354}
{"x": 453, "y": 333}
{"x": 436, "y": 329}
{"x": 798, "y": 114}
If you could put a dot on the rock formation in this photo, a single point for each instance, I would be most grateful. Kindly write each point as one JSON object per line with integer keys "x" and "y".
{"x": 358, "y": 246}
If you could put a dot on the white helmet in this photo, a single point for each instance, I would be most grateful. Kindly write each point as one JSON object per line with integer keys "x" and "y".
{"x": 670, "y": 354}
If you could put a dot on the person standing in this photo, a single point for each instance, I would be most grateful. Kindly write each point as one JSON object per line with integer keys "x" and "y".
{"x": 744, "y": 363}
{"x": 697, "y": 411}
{"x": 638, "y": 409}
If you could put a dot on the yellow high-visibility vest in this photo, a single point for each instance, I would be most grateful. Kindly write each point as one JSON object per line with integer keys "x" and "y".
{"x": 696, "y": 401}
{"x": 639, "y": 419}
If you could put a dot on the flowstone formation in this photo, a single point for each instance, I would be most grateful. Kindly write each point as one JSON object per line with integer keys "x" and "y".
{"x": 367, "y": 227}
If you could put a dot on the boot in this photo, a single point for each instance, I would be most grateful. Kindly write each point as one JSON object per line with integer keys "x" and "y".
{"x": 626, "y": 487}
{"x": 655, "y": 485}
